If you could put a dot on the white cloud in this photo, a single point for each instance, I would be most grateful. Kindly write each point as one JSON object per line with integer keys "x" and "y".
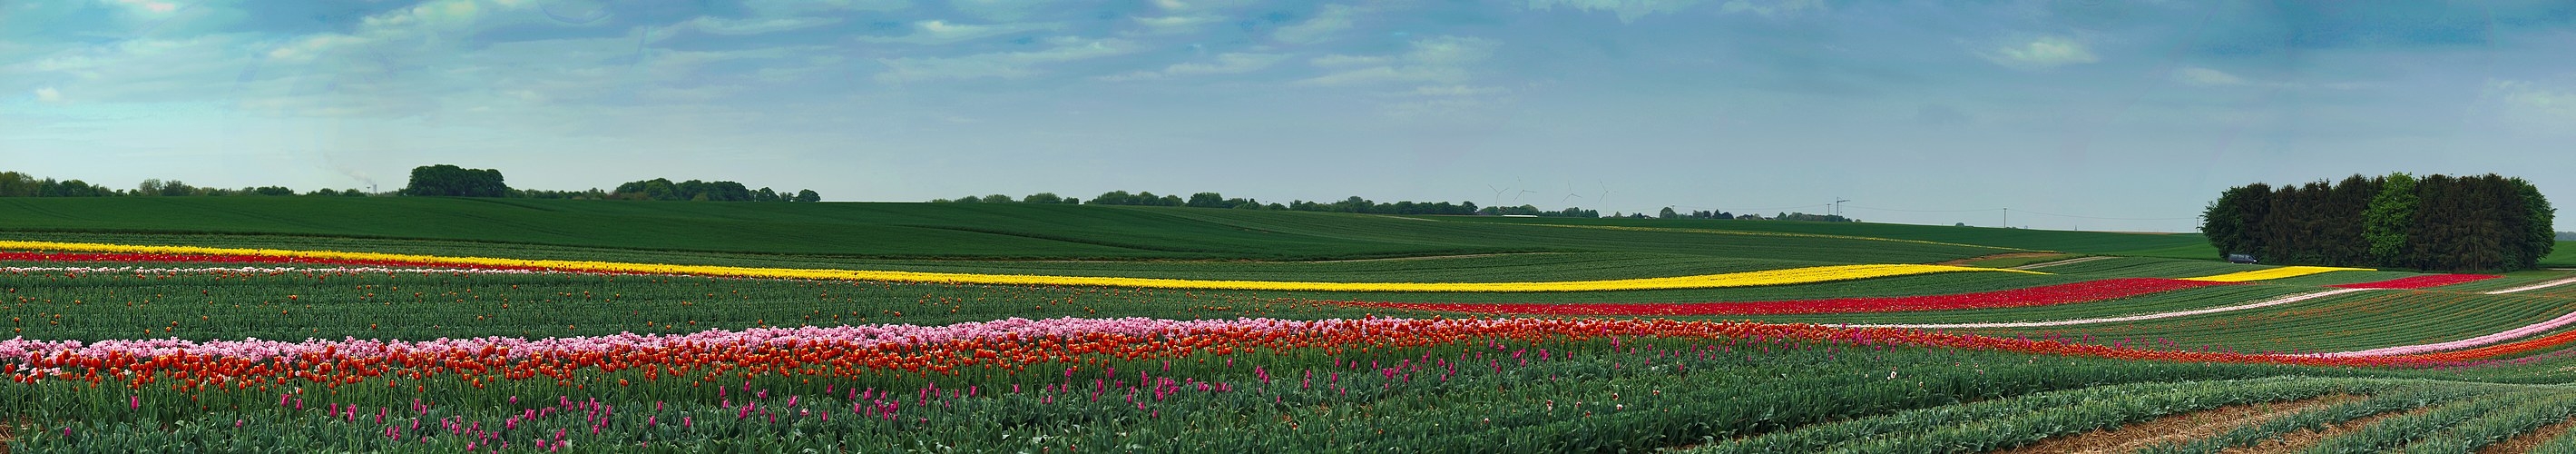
{"x": 780, "y": 8}
{"x": 1229, "y": 63}
{"x": 2533, "y": 105}
{"x": 1173, "y": 25}
{"x": 724, "y": 26}
{"x": 997, "y": 10}
{"x": 1454, "y": 90}
{"x": 1000, "y": 64}
{"x": 1180, "y": 6}
{"x": 1631, "y": 10}
{"x": 1338, "y": 61}
{"x": 2206, "y": 77}
{"x": 1771, "y": 8}
{"x": 1440, "y": 59}
{"x": 1627, "y": 10}
{"x": 49, "y": 95}
{"x": 943, "y": 32}
{"x": 314, "y": 45}
{"x": 2041, "y": 53}
{"x": 1327, "y": 21}
{"x": 144, "y": 8}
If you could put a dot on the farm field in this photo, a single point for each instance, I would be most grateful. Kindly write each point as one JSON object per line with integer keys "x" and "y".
{"x": 582, "y": 326}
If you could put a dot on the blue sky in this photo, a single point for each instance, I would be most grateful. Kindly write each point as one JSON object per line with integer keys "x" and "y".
{"x": 2067, "y": 112}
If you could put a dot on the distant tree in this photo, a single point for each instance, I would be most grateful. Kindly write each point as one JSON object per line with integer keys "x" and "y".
{"x": 453, "y": 181}
{"x": 271, "y": 191}
{"x": 998, "y": 198}
{"x": 765, "y": 195}
{"x": 2389, "y": 216}
{"x": 14, "y": 184}
{"x": 808, "y": 195}
{"x": 2537, "y": 239}
{"x": 1042, "y": 197}
{"x": 1111, "y": 198}
{"x": 1206, "y": 200}
{"x": 1667, "y": 214}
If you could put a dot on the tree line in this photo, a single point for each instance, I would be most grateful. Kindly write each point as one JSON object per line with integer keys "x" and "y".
{"x": 442, "y": 180}
{"x": 1354, "y": 204}
{"x": 2435, "y": 222}
{"x": 1357, "y": 204}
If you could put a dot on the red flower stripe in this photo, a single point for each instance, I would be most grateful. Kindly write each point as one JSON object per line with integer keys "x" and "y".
{"x": 2430, "y": 280}
{"x": 2035, "y": 296}
{"x": 721, "y": 360}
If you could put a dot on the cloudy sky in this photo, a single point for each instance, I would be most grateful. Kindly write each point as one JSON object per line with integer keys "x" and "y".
{"x": 2086, "y": 114}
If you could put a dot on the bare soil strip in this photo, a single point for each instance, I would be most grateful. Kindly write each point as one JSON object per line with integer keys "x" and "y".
{"x": 2012, "y": 255}
{"x": 2301, "y": 440}
{"x": 2528, "y": 440}
{"x": 2062, "y": 262}
{"x": 2186, "y": 426}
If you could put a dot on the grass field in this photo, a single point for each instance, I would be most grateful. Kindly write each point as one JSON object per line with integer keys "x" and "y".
{"x": 289, "y": 356}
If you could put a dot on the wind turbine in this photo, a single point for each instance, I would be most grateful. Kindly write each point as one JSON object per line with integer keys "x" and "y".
{"x": 1569, "y": 195}
{"x": 1524, "y": 193}
{"x": 1604, "y": 199}
{"x": 1498, "y": 194}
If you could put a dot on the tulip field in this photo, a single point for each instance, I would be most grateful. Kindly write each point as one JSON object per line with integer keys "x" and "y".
{"x": 259, "y": 335}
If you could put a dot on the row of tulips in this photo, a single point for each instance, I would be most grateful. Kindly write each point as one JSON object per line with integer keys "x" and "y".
{"x": 1606, "y": 393}
{"x": 2273, "y": 273}
{"x": 95, "y": 252}
{"x": 2078, "y": 292}
{"x": 2424, "y": 281}
{"x": 999, "y": 345}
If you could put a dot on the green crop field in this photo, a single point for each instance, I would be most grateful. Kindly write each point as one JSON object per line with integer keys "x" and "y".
{"x": 245, "y": 352}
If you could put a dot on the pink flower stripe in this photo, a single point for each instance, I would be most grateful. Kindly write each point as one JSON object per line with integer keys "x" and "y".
{"x": 1007, "y": 344}
{"x": 2511, "y": 334}
{"x": 2425, "y": 281}
{"x": 865, "y": 336}
{"x": 2078, "y": 292}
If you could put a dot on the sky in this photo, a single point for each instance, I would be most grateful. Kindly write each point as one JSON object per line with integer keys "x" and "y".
{"x": 2075, "y": 114}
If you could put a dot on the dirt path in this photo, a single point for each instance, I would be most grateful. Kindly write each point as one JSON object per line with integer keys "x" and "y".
{"x": 2528, "y": 440}
{"x": 2011, "y": 255}
{"x": 2301, "y": 440}
{"x": 2182, "y": 427}
{"x": 2062, "y": 262}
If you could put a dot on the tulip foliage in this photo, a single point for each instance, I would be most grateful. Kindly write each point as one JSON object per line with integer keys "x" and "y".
{"x": 176, "y": 350}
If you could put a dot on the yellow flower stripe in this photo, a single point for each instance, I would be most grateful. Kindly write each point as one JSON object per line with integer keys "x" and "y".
{"x": 2272, "y": 273}
{"x": 1743, "y": 279}
{"x": 1798, "y": 235}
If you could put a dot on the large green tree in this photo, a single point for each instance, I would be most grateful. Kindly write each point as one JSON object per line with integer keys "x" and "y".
{"x": 2435, "y": 222}
{"x": 2391, "y": 214}
{"x": 450, "y": 180}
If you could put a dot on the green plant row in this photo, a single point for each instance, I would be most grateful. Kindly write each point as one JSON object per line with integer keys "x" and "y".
{"x": 2356, "y": 321}
{"x": 2398, "y": 430}
{"x": 1910, "y": 429}
{"x": 2493, "y": 428}
{"x": 2416, "y": 395}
